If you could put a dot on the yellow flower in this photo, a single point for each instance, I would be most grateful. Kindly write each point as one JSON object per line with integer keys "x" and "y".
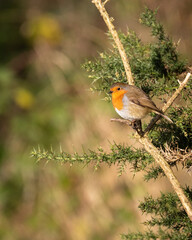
{"x": 23, "y": 98}
{"x": 44, "y": 27}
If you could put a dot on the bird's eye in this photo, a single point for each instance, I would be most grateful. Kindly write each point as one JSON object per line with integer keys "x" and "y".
{"x": 118, "y": 88}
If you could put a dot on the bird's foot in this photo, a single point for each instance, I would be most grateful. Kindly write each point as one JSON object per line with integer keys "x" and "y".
{"x": 136, "y": 125}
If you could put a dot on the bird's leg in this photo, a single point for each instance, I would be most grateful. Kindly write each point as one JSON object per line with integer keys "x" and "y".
{"x": 136, "y": 125}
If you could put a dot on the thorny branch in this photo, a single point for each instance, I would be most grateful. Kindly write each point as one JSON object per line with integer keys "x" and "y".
{"x": 149, "y": 147}
{"x": 177, "y": 155}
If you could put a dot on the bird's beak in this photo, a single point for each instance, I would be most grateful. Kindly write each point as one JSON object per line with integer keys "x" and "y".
{"x": 110, "y": 92}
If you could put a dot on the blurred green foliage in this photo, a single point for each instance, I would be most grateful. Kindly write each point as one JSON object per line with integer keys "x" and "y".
{"x": 39, "y": 83}
{"x": 44, "y": 100}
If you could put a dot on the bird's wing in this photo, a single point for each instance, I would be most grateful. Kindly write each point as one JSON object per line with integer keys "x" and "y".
{"x": 140, "y": 98}
{"x": 137, "y": 96}
{"x": 145, "y": 102}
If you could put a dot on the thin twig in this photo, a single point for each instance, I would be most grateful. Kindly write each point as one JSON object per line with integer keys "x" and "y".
{"x": 169, "y": 102}
{"x": 106, "y": 1}
{"x": 144, "y": 140}
{"x": 115, "y": 36}
{"x": 176, "y": 93}
{"x": 121, "y": 121}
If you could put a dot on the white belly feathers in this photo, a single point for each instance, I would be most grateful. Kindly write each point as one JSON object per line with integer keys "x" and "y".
{"x": 131, "y": 111}
{"x": 125, "y": 113}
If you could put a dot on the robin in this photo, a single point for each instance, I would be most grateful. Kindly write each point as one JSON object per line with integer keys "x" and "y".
{"x": 131, "y": 103}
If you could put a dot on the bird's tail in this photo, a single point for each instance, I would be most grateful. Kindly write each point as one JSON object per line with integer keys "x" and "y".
{"x": 167, "y": 118}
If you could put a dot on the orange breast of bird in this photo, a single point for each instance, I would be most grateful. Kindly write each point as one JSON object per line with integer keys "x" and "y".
{"x": 117, "y": 99}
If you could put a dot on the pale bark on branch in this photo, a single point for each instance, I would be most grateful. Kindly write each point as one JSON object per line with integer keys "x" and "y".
{"x": 101, "y": 7}
{"x": 149, "y": 147}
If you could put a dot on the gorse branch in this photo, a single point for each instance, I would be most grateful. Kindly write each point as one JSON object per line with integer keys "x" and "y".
{"x": 149, "y": 147}
{"x": 166, "y": 211}
{"x": 118, "y": 154}
{"x": 183, "y": 156}
{"x": 101, "y": 7}
{"x": 177, "y": 92}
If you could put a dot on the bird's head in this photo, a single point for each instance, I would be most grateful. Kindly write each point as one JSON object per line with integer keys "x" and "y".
{"x": 118, "y": 88}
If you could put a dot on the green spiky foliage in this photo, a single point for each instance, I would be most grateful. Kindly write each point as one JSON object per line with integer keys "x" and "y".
{"x": 156, "y": 67}
{"x": 167, "y": 215}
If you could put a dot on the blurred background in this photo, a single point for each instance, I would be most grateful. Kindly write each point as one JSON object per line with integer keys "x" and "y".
{"x": 45, "y": 100}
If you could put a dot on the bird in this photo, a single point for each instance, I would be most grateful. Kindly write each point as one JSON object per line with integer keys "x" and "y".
{"x": 132, "y": 103}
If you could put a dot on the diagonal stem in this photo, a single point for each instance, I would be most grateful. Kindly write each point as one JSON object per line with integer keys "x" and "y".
{"x": 149, "y": 147}
{"x": 169, "y": 102}
{"x": 108, "y": 21}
